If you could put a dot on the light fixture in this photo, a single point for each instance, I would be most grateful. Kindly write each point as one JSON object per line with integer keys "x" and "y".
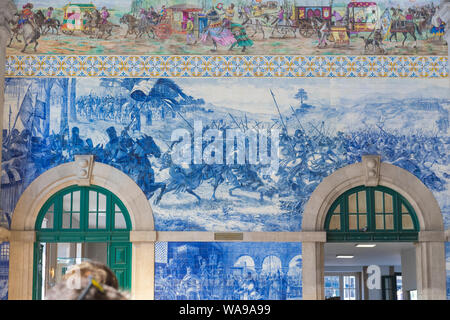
{"x": 365, "y": 245}
{"x": 345, "y": 256}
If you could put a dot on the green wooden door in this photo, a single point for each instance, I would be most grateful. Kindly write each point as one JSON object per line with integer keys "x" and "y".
{"x": 119, "y": 255}
{"x": 85, "y": 214}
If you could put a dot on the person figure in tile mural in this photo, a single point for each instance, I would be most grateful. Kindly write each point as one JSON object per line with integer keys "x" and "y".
{"x": 242, "y": 40}
{"x": 26, "y": 16}
{"x": 218, "y": 30}
{"x": 190, "y": 285}
{"x": 104, "y": 15}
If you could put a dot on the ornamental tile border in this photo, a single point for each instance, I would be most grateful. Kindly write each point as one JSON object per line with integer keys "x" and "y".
{"x": 228, "y": 66}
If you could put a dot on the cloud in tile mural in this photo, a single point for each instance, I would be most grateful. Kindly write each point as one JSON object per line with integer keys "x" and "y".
{"x": 227, "y": 128}
{"x": 191, "y": 27}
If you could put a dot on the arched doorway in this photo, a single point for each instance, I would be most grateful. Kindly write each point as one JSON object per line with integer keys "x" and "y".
{"x": 76, "y": 224}
{"x": 427, "y": 231}
{"x": 83, "y": 172}
{"x": 370, "y": 227}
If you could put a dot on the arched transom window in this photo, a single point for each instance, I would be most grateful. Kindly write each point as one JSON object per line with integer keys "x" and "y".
{"x": 83, "y": 213}
{"x": 371, "y": 214}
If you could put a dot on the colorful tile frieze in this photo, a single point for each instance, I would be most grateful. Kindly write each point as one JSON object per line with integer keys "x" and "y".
{"x": 228, "y": 66}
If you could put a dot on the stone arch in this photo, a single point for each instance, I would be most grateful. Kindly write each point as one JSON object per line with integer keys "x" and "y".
{"x": 393, "y": 177}
{"x": 83, "y": 171}
{"x": 430, "y": 251}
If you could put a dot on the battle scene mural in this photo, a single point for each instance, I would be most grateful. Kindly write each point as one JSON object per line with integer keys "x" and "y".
{"x": 228, "y": 271}
{"x": 252, "y": 150}
{"x": 257, "y": 27}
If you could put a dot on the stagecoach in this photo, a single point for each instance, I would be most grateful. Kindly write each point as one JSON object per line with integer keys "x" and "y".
{"x": 362, "y": 17}
{"x": 73, "y": 17}
{"x": 359, "y": 17}
{"x": 303, "y": 17}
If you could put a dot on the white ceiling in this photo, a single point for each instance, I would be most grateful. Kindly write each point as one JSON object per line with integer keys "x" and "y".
{"x": 384, "y": 254}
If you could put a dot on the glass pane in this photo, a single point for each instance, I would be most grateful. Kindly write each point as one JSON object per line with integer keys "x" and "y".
{"x": 407, "y": 223}
{"x": 119, "y": 220}
{"x": 352, "y": 222}
{"x": 92, "y": 220}
{"x": 404, "y": 210}
{"x": 66, "y": 220}
{"x": 47, "y": 222}
{"x": 102, "y": 220}
{"x": 389, "y": 222}
{"x": 336, "y": 210}
{"x": 101, "y": 202}
{"x": 352, "y": 203}
{"x": 335, "y": 222}
{"x": 362, "y": 222}
{"x": 67, "y": 200}
{"x": 92, "y": 201}
{"x": 362, "y": 202}
{"x": 378, "y": 202}
{"x": 379, "y": 222}
{"x": 76, "y": 220}
{"x": 76, "y": 201}
{"x": 388, "y": 206}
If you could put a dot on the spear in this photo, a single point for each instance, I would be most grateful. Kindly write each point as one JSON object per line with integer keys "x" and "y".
{"x": 278, "y": 109}
{"x": 295, "y": 115}
{"x": 235, "y": 121}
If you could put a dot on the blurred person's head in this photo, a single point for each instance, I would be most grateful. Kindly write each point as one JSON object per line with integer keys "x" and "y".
{"x": 88, "y": 289}
{"x": 98, "y": 271}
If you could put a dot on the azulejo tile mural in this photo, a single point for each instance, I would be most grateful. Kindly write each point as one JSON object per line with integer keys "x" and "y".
{"x": 228, "y": 66}
{"x": 228, "y": 271}
{"x": 200, "y": 27}
{"x": 304, "y": 130}
{"x": 336, "y": 80}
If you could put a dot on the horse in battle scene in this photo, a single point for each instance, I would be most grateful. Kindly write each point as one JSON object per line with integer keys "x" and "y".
{"x": 28, "y": 30}
{"x": 45, "y": 25}
{"x": 181, "y": 179}
{"x": 245, "y": 178}
{"x": 145, "y": 147}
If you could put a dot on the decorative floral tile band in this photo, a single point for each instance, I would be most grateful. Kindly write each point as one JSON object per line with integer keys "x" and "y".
{"x": 228, "y": 66}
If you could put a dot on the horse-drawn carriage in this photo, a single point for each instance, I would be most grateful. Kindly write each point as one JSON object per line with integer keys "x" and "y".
{"x": 74, "y": 18}
{"x": 362, "y": 17}
{"x": 303, "y": 16}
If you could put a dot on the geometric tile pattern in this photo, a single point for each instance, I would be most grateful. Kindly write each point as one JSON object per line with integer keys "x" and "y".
{"x": 228, "y": 66}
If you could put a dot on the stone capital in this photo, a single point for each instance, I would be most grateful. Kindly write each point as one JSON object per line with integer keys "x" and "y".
{"x": 4, "y": 234}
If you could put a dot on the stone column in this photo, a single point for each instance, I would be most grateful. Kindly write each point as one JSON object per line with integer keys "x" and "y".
{"x": 430, "y": 266}
{"x": 313, "y": 270}
{"x": 143, "y": 265}
{"x": 21, "y": 265}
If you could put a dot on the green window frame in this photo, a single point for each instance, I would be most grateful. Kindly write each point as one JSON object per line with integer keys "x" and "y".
{"x": 371, "y": 214}
{"x": 85, "y": 214}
